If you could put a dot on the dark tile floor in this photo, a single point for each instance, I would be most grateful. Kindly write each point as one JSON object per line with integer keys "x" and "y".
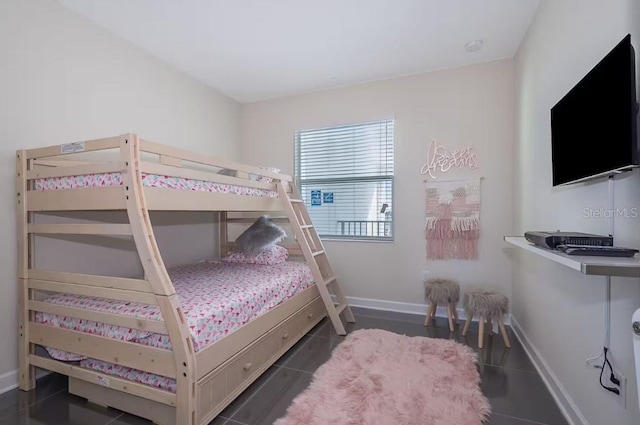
{"x": 516, "y": 392}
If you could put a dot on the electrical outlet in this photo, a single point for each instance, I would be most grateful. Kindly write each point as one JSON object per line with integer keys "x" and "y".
{"x": 425, "y": 275}
{"x": 622, "y": 386}
{"x": 622, "y": 398}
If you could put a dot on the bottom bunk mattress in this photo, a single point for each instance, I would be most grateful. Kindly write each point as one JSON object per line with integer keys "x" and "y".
{"x": 216, "y": 297}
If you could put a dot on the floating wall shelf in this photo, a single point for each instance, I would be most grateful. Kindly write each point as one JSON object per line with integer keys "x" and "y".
{"x": 591, "y": 265}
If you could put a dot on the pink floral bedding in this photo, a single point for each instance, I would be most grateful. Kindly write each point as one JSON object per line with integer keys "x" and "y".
{"x": 151, "y": 180}
{"x": 158, "y": 381}
{"x": 216, "y": 297}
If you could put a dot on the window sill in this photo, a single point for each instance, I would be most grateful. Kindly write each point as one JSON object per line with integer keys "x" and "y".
{"x": 329, "y": 239}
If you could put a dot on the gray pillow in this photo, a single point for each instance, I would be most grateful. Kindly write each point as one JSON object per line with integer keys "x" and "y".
{"x": 262, "y": 234}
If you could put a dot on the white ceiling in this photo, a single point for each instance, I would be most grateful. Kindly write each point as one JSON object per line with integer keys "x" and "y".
{"x": 253, "y": 50}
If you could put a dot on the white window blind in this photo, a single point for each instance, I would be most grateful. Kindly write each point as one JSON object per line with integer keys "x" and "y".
{"x": 345, "y": 176}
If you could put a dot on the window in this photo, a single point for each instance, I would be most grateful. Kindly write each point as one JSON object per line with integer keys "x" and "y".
{"x": 345, "y": 176}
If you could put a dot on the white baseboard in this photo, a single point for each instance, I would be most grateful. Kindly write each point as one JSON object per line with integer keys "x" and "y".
{"x": 410, "y": 308}
{"x": 558, "y": 392}
{"x": 8, "y": 381}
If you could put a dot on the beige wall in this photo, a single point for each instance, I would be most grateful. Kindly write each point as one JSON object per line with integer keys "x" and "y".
{"x": 560, "y": 310}
{"x": 63, "y": 79}
{"x": 460, "y": 106}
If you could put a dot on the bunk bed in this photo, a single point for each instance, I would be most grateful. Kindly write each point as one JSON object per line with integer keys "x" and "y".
{"x": 157, "y": 345}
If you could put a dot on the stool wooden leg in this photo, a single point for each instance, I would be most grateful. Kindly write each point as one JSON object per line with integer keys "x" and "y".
{"x": 455, "y": 313}
{"x": 427, "y": 319}
{"x": 450, "y": 317}
{"x": 467, "y": 324}
{"x": 503, "y": 331}
{"x": 481, "y": 332}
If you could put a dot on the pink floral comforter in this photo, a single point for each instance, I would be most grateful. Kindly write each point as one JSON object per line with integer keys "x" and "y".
{"x": 151, "y": 180}
{"x": 217, "y": 298}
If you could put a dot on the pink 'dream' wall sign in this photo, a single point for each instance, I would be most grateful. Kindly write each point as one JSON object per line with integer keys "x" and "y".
{"x": 440, "y": 158}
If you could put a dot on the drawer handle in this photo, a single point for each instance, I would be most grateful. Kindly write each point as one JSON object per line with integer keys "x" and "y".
{"x": 310, "y": 315}
{"x": 247, "y": 366}
{"x": 285, "y": 335}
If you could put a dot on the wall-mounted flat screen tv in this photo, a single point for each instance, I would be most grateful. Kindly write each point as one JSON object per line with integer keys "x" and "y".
{"x": 594, "y": 126}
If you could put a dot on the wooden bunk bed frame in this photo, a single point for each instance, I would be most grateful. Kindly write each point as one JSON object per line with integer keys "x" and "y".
{"x": 207, "y": 380}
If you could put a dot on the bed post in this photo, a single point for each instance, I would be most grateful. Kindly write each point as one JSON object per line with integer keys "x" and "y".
{"x": 223, "y": 235}
{"x": 27, "y": 379}
{"x": 156, "y": 274}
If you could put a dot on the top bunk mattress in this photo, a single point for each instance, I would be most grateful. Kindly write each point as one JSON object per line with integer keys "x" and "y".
{"x": 216, "y": 298}
{"x": 149, "y": 180}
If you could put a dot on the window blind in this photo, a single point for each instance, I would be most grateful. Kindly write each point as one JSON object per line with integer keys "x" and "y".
{"x": 345, "y": 176}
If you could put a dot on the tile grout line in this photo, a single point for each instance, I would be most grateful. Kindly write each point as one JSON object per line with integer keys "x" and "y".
{"x": 416, "y": 322}
{"x": 233, "y": 422}
{"x": 311, "y": 336}
{"x": 386, "y": 318}
{"x": 115, "y": 419}
{"x": 520, "y": 419}
{"x": 267, "y": 381}
{"x": 36, "y": 402}
{"x": 250, "y": 398}
{"x": 511, "y": 368}
{"x": 421, "y": 322}
{"x": 296, "y": 370}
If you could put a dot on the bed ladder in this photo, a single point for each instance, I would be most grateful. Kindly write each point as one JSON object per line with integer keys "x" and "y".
{"x": 316, "y": 257}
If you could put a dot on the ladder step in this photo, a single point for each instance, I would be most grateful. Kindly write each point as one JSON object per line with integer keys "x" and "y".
{"x": 311, "y": 244}
{"x": 253, "y": 219}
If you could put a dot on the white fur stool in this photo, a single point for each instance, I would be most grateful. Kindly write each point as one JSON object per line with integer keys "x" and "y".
{"x": 442, "y": 291}
{"x": 486, "y": 305}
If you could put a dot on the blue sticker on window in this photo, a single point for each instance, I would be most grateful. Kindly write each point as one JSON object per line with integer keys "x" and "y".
{"x": 327, "y": 197}
{"x": 316, "y": 198}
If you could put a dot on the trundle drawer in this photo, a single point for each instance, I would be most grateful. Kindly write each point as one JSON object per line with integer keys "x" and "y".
{"x": 254, "y": 358}
{"x": 212, "y": 391}
{"x": 308, "y": 315}
{"x": 224, "y": 383}
{"x": 300, "y": 321}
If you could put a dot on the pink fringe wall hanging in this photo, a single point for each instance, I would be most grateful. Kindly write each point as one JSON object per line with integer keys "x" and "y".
{"x": 452, "y": 224}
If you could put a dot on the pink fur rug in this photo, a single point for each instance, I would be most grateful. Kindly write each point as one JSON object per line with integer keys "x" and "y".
{"x": 376, "y": 377}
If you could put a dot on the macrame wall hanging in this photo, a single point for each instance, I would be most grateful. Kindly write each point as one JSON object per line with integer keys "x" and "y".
{"x": 452, "y": 224}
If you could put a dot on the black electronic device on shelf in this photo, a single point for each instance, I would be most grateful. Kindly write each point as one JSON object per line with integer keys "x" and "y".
{"x": 600, "y": 251}
{"x": 552, "y": 240}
